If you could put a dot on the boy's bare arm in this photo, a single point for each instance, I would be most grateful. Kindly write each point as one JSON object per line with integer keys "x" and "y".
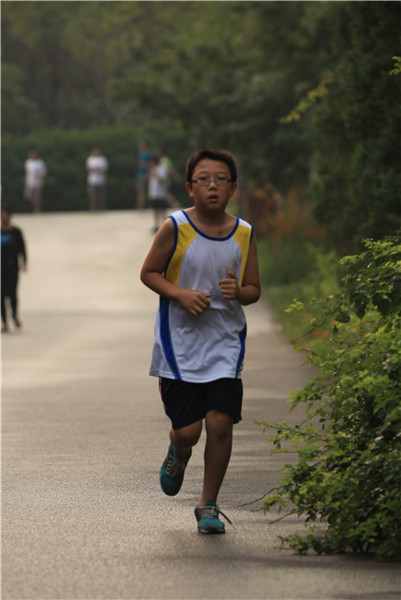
{"x": 195, "y": 301}
{"x": 249, "y": 291}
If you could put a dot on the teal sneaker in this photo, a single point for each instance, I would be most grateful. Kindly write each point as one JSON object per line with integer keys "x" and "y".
{"x": 172, "y": 472}
{"x": 208, "y": 518}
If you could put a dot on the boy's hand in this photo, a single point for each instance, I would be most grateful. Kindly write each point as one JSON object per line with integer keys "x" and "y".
{"x": 229, "y": 286}
{"x": 194, "y": 301}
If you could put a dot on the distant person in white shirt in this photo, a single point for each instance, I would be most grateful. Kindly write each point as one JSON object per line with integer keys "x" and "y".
{"x": 158, "y": 191}
{"x": 97, "y": 167}
{"x": 35, "y": 173}
{"x": 172, "y": 173}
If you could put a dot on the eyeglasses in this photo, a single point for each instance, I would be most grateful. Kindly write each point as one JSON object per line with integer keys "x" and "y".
{"x": 206, "y": 181}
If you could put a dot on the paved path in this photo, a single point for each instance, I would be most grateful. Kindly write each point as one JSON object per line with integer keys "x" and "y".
{"x": 84, "y": 435}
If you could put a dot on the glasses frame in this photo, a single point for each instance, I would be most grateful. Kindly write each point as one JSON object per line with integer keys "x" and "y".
{"x": 208, "y": 181}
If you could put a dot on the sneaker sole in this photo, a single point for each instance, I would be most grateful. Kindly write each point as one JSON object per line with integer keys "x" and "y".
{"x": 168, "y": 492}
{"x": 211, "y": 531}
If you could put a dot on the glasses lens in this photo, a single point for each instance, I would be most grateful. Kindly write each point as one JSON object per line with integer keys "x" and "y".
{"x": 205, "y": 181}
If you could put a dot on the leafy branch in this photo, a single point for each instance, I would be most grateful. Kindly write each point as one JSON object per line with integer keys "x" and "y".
{"x": 397, "y": 66}
{"x": 349, "y": 468}
{"x": 310, "y": 99}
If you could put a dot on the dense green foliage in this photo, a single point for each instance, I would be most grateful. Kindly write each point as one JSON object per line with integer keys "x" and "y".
{"x": 302, "y": 93}
{"x": 358, "y": 129}
{"x": 222, "y": 72}
{"x": 349, "y": 446}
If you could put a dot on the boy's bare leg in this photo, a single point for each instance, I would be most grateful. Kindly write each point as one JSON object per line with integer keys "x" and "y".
{"x": 101, "y": 203}
{"x": 92, "y": 201}
{"x": 140, "y": 199}
{"x": 161, "y": 217}
{"x": 219, "y": 430}
{"x": 184, "y": 438}
{"x": 37, "y": 205}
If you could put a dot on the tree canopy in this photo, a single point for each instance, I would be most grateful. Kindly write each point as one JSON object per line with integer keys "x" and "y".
{"x": 225, "y": 74}
{"x": 357, "y": 142}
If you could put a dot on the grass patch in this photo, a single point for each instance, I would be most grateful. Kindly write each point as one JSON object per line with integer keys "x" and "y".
{"x": 299, "y": 270}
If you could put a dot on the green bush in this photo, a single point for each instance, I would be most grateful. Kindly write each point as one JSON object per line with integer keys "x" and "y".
{"x": 349, "y": 446}
{"x": 286, "y": 263}
{"x": 282, "y": 280}
{"x": 291, "y": 245}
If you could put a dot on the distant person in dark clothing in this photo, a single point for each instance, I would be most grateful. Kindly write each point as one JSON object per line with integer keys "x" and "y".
{"x": 13, "y": 258}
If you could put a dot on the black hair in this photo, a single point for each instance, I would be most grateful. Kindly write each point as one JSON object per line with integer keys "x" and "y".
{"x": 212, "y": 154}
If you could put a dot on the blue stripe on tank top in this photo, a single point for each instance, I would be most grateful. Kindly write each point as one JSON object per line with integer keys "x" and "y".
{"x": 165, "y": 336}
{"x": 242, "y": 336}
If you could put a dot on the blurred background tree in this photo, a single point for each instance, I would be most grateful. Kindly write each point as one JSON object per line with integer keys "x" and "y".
{"x": 356, "y": 186}
{"x": 188, "y": 74}
{"x": 224, "y": 72}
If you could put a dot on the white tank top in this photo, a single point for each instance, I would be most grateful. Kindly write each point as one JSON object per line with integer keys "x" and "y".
{"x": 212, "y": 345}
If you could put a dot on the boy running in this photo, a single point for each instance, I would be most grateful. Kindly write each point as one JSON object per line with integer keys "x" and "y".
{"x": 203, "y": 264}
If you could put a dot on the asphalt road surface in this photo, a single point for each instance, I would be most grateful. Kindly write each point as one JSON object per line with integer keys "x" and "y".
{"x": 84, "y": 435}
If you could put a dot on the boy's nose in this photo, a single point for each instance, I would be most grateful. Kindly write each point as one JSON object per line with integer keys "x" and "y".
{"x": 212, "y": 180}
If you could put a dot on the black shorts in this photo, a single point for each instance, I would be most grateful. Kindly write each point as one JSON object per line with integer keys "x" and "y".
{"x": 158, "y": 203}
{"x": 96, "y": 190}
{"x": 185, "y": 403}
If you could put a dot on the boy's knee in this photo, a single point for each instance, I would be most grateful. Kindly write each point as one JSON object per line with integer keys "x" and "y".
{"x": 219, "y": 423}
{"x": 189, "y": 435}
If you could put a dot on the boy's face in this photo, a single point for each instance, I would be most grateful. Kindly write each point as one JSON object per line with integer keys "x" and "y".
{"x": 211, "y": 186}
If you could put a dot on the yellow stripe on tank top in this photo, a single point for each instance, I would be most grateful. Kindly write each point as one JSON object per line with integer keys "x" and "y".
{"x": 243, "y": 238}
{"x": 186, "y": 234}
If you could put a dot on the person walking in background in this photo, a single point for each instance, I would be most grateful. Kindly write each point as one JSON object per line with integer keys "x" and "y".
{"x": 97, "y": 167}
{"x": 13, "y": 258}
{"x": 203, "y": 264}
{"x": 35, "y": 173}
{"x": 172, "y": 173}
{"x": 143, "y": 159}
{"x": 157, "y": 191}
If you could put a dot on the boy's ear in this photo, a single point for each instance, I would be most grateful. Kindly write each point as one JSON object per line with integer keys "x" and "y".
{"x": 234, "y": 187}
{"x": 188, "y": 185}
